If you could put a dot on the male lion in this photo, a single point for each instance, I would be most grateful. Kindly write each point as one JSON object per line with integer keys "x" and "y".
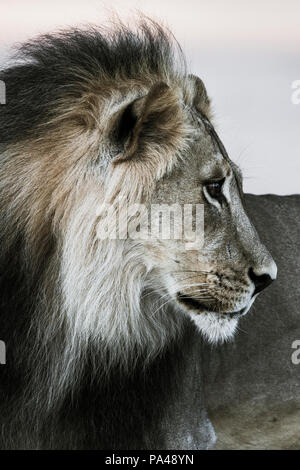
{"x": 93, "y": 327}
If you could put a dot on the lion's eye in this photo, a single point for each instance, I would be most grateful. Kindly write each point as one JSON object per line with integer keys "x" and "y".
{"x": 214, "y": 188}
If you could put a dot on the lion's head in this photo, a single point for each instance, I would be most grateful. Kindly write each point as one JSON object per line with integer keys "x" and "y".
{"x": 95, "y": 121}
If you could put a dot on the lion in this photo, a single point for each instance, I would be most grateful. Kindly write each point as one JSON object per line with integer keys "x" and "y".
{"x": 93, "y": 327}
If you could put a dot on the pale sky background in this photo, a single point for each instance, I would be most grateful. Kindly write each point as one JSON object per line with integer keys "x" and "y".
{"x": 247, "y": 52}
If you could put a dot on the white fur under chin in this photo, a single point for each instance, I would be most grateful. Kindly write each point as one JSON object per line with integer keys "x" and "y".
{"x": 216, "y": 328}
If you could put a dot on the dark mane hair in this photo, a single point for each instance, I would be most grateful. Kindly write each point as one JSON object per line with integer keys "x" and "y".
{"x": 54, "y": 66}
{"x": 49, "y": 73}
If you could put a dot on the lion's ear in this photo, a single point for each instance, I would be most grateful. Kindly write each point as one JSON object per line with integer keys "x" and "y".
{"x": 155, "y": 120}
{"x": 198, "y": 94}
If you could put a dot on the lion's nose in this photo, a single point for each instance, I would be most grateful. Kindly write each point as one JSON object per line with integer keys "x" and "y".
{"x": 262, "y": 278}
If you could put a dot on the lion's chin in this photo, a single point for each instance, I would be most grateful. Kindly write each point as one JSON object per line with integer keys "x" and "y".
{"x": 215, "y": 327}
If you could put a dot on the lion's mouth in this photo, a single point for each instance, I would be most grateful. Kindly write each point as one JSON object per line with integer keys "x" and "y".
{"x": 193, "y": 304}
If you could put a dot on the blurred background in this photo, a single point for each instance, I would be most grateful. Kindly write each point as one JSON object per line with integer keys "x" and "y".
{"x": 246, "y": 51}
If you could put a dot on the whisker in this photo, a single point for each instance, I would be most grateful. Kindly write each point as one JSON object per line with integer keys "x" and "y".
{"x": 190, "y": 277}
{"x": 198, "y": 284}
{"x": 161, "y": 306}
{"x": 191, "y": 271}
{"x": 240, "y": 329}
